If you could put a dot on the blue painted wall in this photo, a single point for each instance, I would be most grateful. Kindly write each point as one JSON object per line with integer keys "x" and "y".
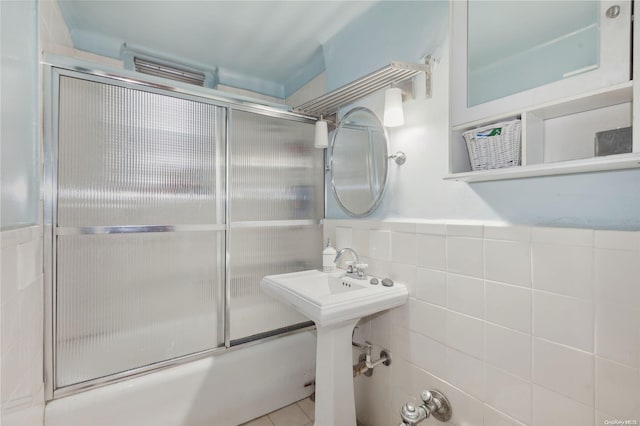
{"x": 19, "y": 135}
{"x": 405, "y": 31}
{"x": 389, "y": 31}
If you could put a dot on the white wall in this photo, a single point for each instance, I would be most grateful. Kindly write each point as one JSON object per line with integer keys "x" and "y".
{"x": 18, "y": 140}
{"x": 607, "y": 200}
{"x": 21, "y": 296}
{"x": 516, "y": 325}
{"x": 21, "y": 301}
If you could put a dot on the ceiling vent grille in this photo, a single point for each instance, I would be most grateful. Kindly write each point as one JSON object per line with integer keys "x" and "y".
{"x": 158, "y": 69}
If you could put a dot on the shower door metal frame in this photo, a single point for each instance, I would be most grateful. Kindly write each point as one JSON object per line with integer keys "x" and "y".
{"x": 55, "y": 67}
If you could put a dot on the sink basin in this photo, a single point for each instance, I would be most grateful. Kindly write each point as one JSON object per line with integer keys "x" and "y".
{"x": 331, "y": 298}
{"x": 335, "y": 303}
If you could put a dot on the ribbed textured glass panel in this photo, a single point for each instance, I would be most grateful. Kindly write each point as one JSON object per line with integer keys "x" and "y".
{"x": 129, "y": 157}
{"x": 126, "y": 301}
{"x": 276, "y": 173}
{"x": 256, "y": 252}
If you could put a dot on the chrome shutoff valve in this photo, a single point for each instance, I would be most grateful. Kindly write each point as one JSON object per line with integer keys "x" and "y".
{"x": 412, "y": 415}
{"x": 435, "y": 405}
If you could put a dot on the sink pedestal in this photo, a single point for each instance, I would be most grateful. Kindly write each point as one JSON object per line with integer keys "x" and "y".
{"x": 335, "y": 402}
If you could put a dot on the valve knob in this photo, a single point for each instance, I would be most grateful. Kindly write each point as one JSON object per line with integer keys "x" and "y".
{"x": 426, "y": 396}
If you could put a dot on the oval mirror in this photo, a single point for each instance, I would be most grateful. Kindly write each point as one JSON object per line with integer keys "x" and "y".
{"x": 359, "y": 162}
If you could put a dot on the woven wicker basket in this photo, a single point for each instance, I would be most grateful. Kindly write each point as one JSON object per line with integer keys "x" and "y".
{"x": 494, "y": 146}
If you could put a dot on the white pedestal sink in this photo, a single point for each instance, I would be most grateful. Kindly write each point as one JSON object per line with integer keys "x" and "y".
{"x": 335, "y": 303}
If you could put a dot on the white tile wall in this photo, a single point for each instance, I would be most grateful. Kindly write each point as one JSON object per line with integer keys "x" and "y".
{"x": 21, "y": 310}
{"x": 465, "y": 256}
{"x": 508, "y": 233}
{"x": 360, "y": 241}
{"x": 426, "y": 319}
{"x": 431, "y": 251}
{"x": 507, "y": 305}
{"x": 508, "y": 262}
{"x": 564, "y": 236}
{"x": 508, "y": 349}
{"x": 564, "y": 320}
{"x": 564, "y": 370}
{"x": 563, "y": 269}
{"x": 617, "y": 240}
{"x": 496, "y": 418}
{"x": 431, "y": 286}
{"x": 465, "y": 295}
{"x": 468, "y": 409}
{"x": 402, "y": 272}
{"x": 464, "y": 372}
{"x": 403, "y": 247}
{"x": 517, "y": 325}
{"x": 617, "y": 335}
{"x": 344, "y": 238}
{"x": 508, "y": 393}
{"x": 617, "y": 389}
{"x": 465, "y": 334}
{"x": 552, "y": 408}
{"x": 617, "y": 275}
{"x": 380, "y": 245}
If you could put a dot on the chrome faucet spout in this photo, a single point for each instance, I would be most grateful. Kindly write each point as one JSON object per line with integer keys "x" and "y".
{"x": 355, "y": 269}
{"x": 341, "y": 252}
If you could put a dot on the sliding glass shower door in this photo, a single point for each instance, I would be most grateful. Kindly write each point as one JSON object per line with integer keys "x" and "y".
{"x": 166, "y": 210}
{"x": 277, "y": 203}
{"x": 140, "y": 229}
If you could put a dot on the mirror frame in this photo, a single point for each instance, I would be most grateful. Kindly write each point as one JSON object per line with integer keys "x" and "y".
{"x": 378, "y": 199}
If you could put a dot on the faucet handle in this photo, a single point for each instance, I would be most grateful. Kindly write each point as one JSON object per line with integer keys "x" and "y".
{"x": 361, "y": 269}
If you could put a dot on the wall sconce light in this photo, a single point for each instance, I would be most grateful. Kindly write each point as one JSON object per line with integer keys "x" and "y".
{"x": 321, "y": 139}
{"x": 393, "y": 113}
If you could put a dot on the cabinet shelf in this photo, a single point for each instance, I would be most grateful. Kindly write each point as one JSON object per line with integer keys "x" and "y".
{"x": 600, "y": 98}
{"x": 596, "y": 164}
{"x": 557, "y": 137}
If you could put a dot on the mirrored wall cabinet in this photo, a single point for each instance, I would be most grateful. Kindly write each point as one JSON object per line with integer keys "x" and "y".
{"x": 563, "y": 69}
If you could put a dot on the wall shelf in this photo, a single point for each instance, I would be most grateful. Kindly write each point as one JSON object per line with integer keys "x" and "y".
{"x": 557, "y": 137}
{"x": 394, "y": 73}
{"x": 597, "y": 164}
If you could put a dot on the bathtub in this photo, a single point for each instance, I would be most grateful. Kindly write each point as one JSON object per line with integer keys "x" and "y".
{"x": 224, "y": 389}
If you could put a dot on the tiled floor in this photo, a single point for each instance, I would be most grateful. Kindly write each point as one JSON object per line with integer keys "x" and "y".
{"x": 299, "y": 413}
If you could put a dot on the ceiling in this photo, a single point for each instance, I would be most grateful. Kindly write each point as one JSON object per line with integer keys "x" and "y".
{"x": 272, "y": 47}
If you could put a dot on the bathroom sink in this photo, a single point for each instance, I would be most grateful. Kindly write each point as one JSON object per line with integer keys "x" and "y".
{"x": 335, "y": 302}
{"x": 331, "y": 298}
